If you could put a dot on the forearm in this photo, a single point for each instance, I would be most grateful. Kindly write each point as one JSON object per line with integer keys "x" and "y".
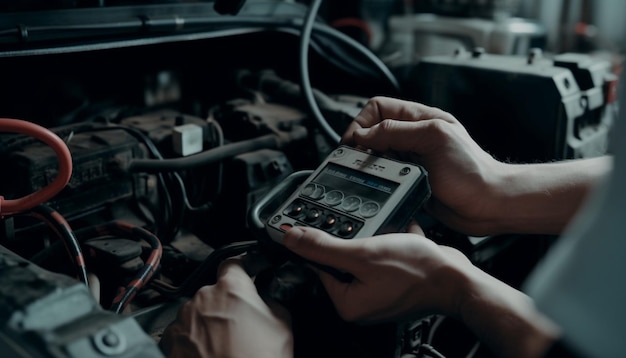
{"x": 543, "y": 198}
{"x": 505, "y": 319}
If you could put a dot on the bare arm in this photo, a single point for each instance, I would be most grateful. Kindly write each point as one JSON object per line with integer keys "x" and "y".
{"x": 473, "y": 192}
{"x": 542, "y": 198}
{"x": 398, "y": 276}
{"x": 505, "y": 319}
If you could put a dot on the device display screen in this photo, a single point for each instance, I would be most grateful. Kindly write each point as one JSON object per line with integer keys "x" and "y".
{"x": 355, "y": 183}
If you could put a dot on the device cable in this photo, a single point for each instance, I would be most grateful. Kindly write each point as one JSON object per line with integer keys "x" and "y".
{"x": 206, "y": 272}
{"x": 255, "y": 219}
{"x": 307, "y": 91}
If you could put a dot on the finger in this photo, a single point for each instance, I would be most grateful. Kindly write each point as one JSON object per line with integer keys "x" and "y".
{"x": 380, "y": 108}
{"x": 392, "y": 135}
{"x": 233, "y": 279}
{"x": 414, "y": 228}
{"x": 232, "y": 267}
{"x": 320, "y": 247}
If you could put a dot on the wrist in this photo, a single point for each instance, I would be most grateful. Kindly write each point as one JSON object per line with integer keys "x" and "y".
{"x": 542, "y": 198}
{"x": 504, "y": 318}
{"x": 457, "y": 278}
{"x": 488, "y": 215}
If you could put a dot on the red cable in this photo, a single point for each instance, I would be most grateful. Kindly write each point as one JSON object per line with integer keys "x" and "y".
{"x": 354, "y": 22}
{"x": 60, "y": 227}
{"x": 10, "y": 207}
{"x": 126, "y": 293}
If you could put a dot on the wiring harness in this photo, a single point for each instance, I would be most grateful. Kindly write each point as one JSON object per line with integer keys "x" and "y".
{"x": 61, "y": 228}
{"x": 33, "y": 205}
{"x": 11, "y": 207}
{"x": 126, "y": 293}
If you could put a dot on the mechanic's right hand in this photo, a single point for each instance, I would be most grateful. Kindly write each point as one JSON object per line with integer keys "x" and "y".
{"x": 396, "y": 276}
{"x": 465, "y": 179}
{"x": 405, "y": 276}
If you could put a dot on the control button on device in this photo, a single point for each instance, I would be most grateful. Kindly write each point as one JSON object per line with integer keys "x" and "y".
{"x": 369, "y": 209}
{"x": 295, "y": 209}
{"x": 312, "y": 215}
{"x": 333, "y": 197}
{"x": 351, "y": 203}
{"x": 346, "y": 228}
{"x": 313, "y": 191}
{"x": 329, "y": 221}
{"x": 286, "y": 227}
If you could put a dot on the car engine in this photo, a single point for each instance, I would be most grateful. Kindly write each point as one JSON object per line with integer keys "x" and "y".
{"x": 174, "y": 122}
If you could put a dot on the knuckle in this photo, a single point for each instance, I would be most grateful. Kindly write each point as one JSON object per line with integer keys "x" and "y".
{"x": 374, "y": 104}
{"x": 375, "y": 101}
{"x": 229, "y": 283}
{"x": 438, "y": 129}
{"x": 448, "y": 116}
{"x": 386, "y": 125}
{"x": 370, "y": 250}
{"x": 314, "y": 238}
{"x": 202, "y": 293}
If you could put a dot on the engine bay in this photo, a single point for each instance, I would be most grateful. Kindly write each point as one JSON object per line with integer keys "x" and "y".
{"x": 177, "y": 135}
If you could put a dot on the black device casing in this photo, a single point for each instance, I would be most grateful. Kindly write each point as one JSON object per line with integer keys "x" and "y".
{"x": 394, "y": 214}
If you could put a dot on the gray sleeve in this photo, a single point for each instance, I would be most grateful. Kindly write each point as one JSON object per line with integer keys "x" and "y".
{"x": 581, "y": 282}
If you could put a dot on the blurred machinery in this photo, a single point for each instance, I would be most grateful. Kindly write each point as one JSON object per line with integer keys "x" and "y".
{"x": 524, "y": 108}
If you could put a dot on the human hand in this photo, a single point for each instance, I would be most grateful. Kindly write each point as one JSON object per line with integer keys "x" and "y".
{"x": 229, "y": 319}
{"x": 395, "y": 275}
{"x": 404, "y": 276}
{"x": 464, "y": 178}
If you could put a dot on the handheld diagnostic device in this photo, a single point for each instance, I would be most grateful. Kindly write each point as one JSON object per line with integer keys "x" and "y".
{"x": 354, "y": 194}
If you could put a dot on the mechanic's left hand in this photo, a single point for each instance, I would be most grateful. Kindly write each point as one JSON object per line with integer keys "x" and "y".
{"x": 229, "y": 319}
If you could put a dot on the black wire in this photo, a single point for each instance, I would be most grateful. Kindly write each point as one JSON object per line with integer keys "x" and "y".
{"x": 307, "y": 90}
{"x": 173, "y": 176}
{"x": 342, "y": 60}
{"x": 147, "y": 271}
{"x": 364, "y": 51}
{"x": 430, "y": 351}
{"x": 206, "y": 272}
{"x": 136, "y": 233}
{"x": 236, "y": 21}
{"x": 154, "y": 151}
{"x": 204, "y": 158}
{"x": 286, "y": 185}
{"x": 185, "y": 197}
{"x": 60, "y": 226}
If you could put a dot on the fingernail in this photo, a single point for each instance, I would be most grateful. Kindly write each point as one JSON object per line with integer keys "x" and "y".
{"x": 292, "y": 236}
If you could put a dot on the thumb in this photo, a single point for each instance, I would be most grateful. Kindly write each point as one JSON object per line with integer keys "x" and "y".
{"x": 318, "y": 246}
